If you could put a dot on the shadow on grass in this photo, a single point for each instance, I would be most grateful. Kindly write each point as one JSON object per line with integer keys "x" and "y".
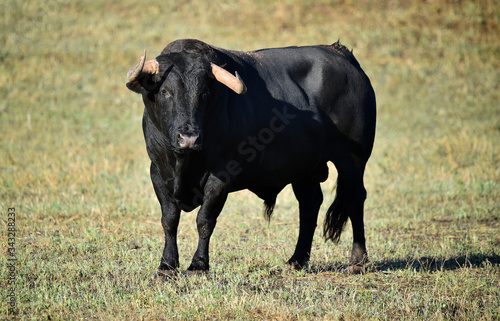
{"x": 428, "y": 264}
{"x": 433, "y": 264}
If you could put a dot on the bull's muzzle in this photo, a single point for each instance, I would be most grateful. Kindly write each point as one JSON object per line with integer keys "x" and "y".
{"x": 189, "y": 141}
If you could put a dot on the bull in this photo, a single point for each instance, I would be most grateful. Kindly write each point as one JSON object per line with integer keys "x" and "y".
{"x": 217, "y": 121}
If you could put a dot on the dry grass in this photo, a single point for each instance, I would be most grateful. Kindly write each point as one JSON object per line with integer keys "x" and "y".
{"x": 73, "y": 164}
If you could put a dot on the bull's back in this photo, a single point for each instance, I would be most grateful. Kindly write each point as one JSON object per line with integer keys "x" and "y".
{"x": 326, "y": 81}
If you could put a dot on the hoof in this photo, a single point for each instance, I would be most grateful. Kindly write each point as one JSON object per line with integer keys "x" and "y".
{"x": 358, "y": 265}
{"x": 295, "y": 266}
{"x": 355, "y": 269}
{"x": 165, "y": 274}
{"x": 197, "y": 273}
{"x": 358, "y": 268}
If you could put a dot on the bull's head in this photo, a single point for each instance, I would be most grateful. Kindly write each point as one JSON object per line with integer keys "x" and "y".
{"x": 175, "y": 88}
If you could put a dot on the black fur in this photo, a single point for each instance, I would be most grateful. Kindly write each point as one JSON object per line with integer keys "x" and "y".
{"x": 304, "y": 107}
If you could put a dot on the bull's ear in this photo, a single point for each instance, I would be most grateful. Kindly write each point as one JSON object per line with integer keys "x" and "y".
{"x": 139, "y": 77}
{"x": 136, "y": 87}
{"x": 143, "y": 85}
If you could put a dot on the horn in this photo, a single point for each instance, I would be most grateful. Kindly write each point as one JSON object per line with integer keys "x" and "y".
{"x": 223, "y": 76}
{"x": 143, "y": 67}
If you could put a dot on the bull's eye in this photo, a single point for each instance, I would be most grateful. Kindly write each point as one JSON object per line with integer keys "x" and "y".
{"x": 165, "y": 92}
{"x": 204, "y": 96}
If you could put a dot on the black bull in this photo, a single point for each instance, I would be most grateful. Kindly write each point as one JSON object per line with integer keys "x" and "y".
{"x": 284, "y": 114}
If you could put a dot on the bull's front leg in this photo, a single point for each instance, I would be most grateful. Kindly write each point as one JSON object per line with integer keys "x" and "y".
{"x": 170, "y": 258}
{"x": 170, "y": 215}
{"x": 215, "y": 196}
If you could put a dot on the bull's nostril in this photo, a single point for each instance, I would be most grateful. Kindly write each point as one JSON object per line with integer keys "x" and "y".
{"x": 188, "y": 141}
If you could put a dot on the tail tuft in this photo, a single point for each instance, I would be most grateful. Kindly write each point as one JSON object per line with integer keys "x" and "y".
{"x": 269, "y": 204}
{"x": 336, "y": 217}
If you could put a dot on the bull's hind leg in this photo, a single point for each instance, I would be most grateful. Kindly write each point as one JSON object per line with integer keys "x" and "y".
{"x": 349, "y": 203}
{"x": 355, "y": 208}
{"x": 308, "y": 193}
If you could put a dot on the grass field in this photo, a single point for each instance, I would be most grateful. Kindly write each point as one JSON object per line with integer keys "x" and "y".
{"x": 88, "y": 237}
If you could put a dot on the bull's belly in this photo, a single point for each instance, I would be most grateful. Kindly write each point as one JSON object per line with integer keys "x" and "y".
{"x": 274, "y": 171}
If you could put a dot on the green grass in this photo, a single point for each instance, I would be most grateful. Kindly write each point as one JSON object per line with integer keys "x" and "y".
{"x": 73, "y": 164}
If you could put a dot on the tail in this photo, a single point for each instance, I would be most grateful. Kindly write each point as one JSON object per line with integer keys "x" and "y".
{"x": 336, "y": 216}
{"x": 269, "y": 203}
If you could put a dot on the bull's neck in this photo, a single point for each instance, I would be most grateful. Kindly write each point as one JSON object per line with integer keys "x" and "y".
{"x": 178, "y": 166}
{"x": 183, "y": 174}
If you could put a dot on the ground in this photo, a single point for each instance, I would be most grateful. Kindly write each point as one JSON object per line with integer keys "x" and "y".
{"x": 74, "y": 170}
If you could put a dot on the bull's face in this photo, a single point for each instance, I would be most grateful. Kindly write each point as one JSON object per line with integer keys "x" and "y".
{"x": 175, "y": 91}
